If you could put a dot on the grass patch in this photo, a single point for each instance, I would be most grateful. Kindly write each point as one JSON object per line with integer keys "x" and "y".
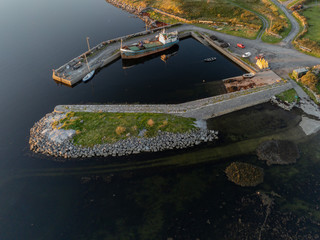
{"x": 289, "y": 96}
{"x": 162, "y": 18}
{"x": 243, "y": 32}
{"x": 270, "y": 38}
{"x": 99, "y": 128}
{"x": 313, "y": 17}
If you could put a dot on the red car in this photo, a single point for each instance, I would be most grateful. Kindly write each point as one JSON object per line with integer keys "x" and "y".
{"x": 240, "y": 45}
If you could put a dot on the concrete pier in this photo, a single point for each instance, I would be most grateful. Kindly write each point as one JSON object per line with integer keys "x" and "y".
{"x": 109, "y": 51}
{"x": 102, "y": 55}
{"x": 200, "y": 109}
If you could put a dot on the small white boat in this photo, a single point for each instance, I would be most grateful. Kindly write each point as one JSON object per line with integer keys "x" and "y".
{"x": 88, "y": 76}
{"x": 210, "y": 59}
{"x": 248, "y": 75}
{"x": 247, "y": 54}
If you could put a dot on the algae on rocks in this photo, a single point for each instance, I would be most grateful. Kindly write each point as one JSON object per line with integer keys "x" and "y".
{"x": 244, "y": 174}
{"x": 278, "y": 152}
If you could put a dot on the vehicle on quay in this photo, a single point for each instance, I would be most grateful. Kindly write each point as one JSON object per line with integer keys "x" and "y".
{"x": 247, "y": 54}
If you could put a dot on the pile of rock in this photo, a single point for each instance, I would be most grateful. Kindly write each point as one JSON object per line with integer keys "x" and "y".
{"x": 284, "y": 105}
{"x": 127, "y": 7}
{"x": 59, "y": 143}
{"x": 244, "y": 174}
{"x": 278, "y": 152}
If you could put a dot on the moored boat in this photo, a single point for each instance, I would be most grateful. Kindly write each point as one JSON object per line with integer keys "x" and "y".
{"x": 210, "y": 59}
{"x": 248, "y": 75}
{"x": 88, "y": 76}
{"x": 147, "y": 47}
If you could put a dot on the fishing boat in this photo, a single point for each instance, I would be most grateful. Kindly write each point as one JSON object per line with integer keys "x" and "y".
{"x": 88, "y": 76}
{"x": 144, "y": 48}
{"x": 210, "y": 59}
{"x": 128, "y": 63}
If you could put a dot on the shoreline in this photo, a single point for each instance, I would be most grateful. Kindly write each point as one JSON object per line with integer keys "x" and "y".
{"x": 58, "y": 143}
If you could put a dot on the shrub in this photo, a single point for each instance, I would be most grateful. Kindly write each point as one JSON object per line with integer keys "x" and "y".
{"x": 120, "y": 130}
{"x": 310, "y": 80}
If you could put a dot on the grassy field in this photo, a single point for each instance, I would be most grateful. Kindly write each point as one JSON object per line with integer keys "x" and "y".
{"x": 311, "y": 38}
{"x": 313, "y": 17}
{"x": 99, "y": 128}
{"x": 235, "y": 17}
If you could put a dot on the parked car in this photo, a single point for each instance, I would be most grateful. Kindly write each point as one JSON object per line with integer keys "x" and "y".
{"x": 240, "y": 45}
{"x": 247, "y": 54}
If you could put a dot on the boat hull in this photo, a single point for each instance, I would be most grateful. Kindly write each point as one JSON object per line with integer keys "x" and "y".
{"x": 146, "y": 52}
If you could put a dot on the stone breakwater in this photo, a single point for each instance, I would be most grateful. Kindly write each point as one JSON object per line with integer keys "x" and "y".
{"x": 59, "y": 143}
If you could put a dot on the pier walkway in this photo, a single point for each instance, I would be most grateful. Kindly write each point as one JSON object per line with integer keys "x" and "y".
{"x": 200, "y": 109}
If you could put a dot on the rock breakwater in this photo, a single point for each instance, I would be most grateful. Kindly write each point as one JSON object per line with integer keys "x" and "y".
{"x": 46, "y": 139}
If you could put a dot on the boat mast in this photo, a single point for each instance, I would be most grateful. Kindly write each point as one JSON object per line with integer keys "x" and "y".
{"x": 85, "y": 56}
{"x": 88, "y": 44}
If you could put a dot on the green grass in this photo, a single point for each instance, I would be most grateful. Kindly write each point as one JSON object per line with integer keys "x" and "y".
{"x": 289, "y": 96}
{"x": 99, "y": 128}
{"x": 270, "y": 38}
{"x": 162, "y": 18}
{"x": 243, "y": 32}
{"x": 313, "y": 17}
{"x": 310, "y": 94}
{"x": 293, "y": 3}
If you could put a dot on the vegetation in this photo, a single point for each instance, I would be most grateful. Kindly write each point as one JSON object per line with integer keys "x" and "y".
{"x": 310, "y": 80}
{"x": 310, "y": 37}
{"x": 99, "y": 128}
{"x": 288, "y": 96}
{"x": 244, "y": 174}
{"x": 279, "y": 24}
{"x": 219, "y": 14}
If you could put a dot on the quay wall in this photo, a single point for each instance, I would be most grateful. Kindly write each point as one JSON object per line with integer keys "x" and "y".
{"x": 229, "y": 55}
{"x": 200, "y": 109}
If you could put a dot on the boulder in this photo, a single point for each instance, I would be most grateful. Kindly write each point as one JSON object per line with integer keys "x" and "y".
{"x": 278, "y": 152}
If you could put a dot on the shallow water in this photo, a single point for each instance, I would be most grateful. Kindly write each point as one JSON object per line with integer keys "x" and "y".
{"x": 179, "y": 194}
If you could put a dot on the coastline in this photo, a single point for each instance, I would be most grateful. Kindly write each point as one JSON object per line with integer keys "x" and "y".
{"x": 58, "y": 143}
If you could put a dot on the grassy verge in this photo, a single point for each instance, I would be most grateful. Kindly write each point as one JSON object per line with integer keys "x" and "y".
{"x": 239, "y": 32}
{"x": 162, "y": 18}
{"x": 313, "y": 16}
{"x": 306, "y": 90}
{"x": 311, "y": 37}
{"x": 99, "y": 128}
{"x": 293, "y": 3}
{"x": 246, "y": 60}
{"x": 289, "y": 96}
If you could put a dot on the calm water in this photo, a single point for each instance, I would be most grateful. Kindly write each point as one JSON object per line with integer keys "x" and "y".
{"x": 180, "y": 195}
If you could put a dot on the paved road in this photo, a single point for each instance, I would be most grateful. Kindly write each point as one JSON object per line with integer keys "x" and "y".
{"x": 282, "y": 60}
{"x": 306, "y": 104}
{"x": 286, "y": 42}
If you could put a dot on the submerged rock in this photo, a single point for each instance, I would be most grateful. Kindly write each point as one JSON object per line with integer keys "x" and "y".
{"x": 244, "y": 174}
{"x": 278, "y": 152}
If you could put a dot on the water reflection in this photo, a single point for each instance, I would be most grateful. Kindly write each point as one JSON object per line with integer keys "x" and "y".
{"x": 164, "y": 56}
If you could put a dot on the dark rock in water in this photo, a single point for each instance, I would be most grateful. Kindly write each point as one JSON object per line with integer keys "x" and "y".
{"x": 278, "y": 152}
{"x": 244, "y": 174}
